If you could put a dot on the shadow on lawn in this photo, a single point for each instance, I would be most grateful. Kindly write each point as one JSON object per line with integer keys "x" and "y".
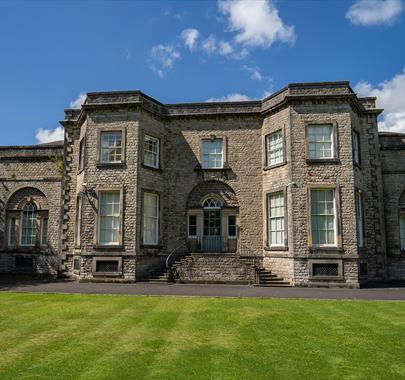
{"x": 12, "y": 282}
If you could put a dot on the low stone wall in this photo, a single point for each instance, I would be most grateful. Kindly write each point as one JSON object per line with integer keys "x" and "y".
{"x": 145, "y": 265}
{"x": 396, "y": 268}
{"x": 31, "y": 263}
{"x": 281, "y": 266}
{"x": 215, "y": 268}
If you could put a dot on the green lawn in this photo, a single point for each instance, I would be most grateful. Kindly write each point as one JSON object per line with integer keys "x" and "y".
{"x": 49, "y": 336}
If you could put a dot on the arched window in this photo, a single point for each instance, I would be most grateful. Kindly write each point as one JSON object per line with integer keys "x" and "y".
{"x": 29, "y": 224}
{"x": 212, "y": 203}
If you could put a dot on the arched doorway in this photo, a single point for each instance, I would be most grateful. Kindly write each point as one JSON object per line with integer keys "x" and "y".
{"x": 212, "y": 218}
{"x": 212, "y": 240}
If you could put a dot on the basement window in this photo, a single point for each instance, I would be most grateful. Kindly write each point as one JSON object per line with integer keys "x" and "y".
{"x": 24, "y": 262}
{"x": 107, "y": 266}
{"x": 325, "y": 270}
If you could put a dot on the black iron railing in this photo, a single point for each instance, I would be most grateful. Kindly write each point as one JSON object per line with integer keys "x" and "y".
{"x": 212, "y": 244}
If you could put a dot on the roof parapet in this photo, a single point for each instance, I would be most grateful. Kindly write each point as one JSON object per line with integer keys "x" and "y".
{"x": 135, "y": 98}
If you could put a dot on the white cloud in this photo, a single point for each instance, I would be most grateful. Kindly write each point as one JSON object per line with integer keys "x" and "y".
{"x": 257, "y": 23}
{"x": 127, "y": 54}
{"x": 211, "y": 46}
{"x": 254, "y": 72}
{"x": 77, "y": 103}
{"x": 235, "y": 97}
{"x": 190, "y": 37}
{"x": 168, "y": 12}
{"x": 374, "y": 12}
{"x": 164, "y": 57}
{"x": 44, "y": 136}
{"x": 390, "y": 96}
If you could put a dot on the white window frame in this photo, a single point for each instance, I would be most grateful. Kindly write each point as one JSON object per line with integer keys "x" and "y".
{"x": 402, "y": 232}
{"x": 82, "y": 152}
{"x": 206, "y": 163}
{"x": 147, "y": 218}
{"x": 271, "y": 218}
{"x": 356, "y": 148}
{"x": 359, "y": 218}
{"x": 270, "y": 149}
{"x": 320, "y": 142}
{"x": 78, "y": 227}
{"x": 236, "y": 227}
{"x": 335, "y": 216}
{"x": 154, "y": 154}
{"x": 102, "y": 147}
{"x": 115, "y": 216}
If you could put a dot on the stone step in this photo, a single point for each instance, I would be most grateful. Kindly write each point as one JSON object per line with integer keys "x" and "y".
{"x": 267, "y": 275}
{"x": 157, "y": 281}
{"x": 275, "y": 285}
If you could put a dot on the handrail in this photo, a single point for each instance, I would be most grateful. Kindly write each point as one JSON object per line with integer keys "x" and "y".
{"x": 171, "y": 254}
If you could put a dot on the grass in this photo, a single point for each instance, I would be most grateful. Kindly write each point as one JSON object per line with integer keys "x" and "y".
{"x": 50, "y": 336}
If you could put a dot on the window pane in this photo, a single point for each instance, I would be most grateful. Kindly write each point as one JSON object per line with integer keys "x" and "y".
{"x": 111, "y": 147}
{"x": 109, "y": 218}
{"x": 81, "y": 154}
{"x": 212, "y": 153}
{"x": 275, "y": 150}
{"x": 150, "y": 218}
{"x": 151, "y": 151}
{"x": 276, "y": 219}
{"x": 320, "y": 141}
{"x": 232, "y": 225}
{"x": 78, "y": 229}
{"x": 29, "y": 225}
{"x": 359, "y": 219}
{"x": 402, "y": 231}
{"x": 356, "y": 148}
{"x": 323, "y": 217}
{"x": 192, "y": 225}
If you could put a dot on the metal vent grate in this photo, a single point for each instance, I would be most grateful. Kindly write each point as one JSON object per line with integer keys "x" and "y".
{"x": 24, "y": 262}
{"x": 107, "y": 266}
{"x": 325, "y": 270}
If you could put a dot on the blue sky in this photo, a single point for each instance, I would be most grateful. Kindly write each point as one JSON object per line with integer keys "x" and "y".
{"x": 190, "y": 51}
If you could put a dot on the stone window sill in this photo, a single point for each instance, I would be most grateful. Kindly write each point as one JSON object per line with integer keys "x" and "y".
{"x": 107, "y": 274}
{"x": 159, "y": 169}
{"x": 269, "y": 167}
{"x": 328, "y": 278}
{"x": 323, "y": 161}
{"x": 119, "y": 165}
{"x": 276, "y": 248}
{"x": 152, "y": 246}
{"x": 108, "y": 247}
{"x": 326, "y": 249}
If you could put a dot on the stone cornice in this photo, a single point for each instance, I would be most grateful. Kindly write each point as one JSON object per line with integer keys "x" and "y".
{"x": 292, "y": 92}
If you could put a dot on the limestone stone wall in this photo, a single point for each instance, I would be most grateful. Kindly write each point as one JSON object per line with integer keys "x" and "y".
{"x": 393, "y": 168}
{"x": 96, "y": 177}
{"x": 245, "y": 179}
{"x": 336, "y": 173}
{"x": 31, "y": 173}
{"x": 242, "y": 136}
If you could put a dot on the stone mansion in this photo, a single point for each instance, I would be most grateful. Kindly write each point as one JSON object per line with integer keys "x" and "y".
{"x": 297, "y": 189}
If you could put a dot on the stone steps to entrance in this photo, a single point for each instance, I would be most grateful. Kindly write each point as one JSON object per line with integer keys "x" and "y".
{"x": 216, "y": 268}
